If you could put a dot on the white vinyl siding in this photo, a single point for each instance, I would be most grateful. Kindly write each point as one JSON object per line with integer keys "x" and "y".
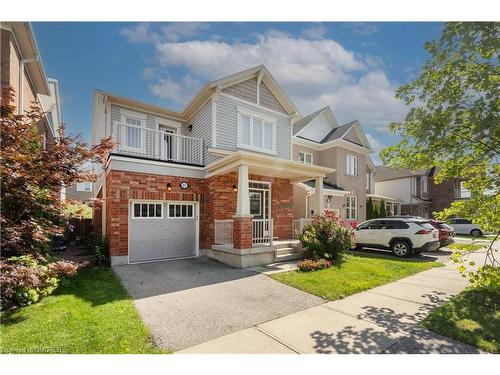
{"x": 305, "y": 158}
{"x": 256, "y": 133}
{"x": 351, "y": 165}
{"x": 84, "y": 186}
{"x": 351, "y": 208}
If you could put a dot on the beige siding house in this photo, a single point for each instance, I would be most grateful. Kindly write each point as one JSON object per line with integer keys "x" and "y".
{"x": 318, "y": 139}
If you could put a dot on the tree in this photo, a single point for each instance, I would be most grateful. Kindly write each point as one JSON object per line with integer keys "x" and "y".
{"x": 31, "y": 179}
{"x": 382, "y": 209}
{"x": 369, "y": 208}
{"x": 375, "y": 212}
{"x": 453, "y": 123}
{"x": 32, "y": 210}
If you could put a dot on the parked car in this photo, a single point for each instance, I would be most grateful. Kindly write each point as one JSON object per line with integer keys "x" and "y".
{"x": 446, "y": 233}
{"x": 465, "y": 226}
{"x": 403, "y": 236}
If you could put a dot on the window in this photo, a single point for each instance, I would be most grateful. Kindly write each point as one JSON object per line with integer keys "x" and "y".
{"x": 413, "y": 185}
{"x": 44, "y": 142}
{"x": 393, "y": 224}
{"x": 84, "y": 186}
{"x": 423, "y": 185}
{"x": 351, "y": 208}
{"x": 133, "y": 138}
{"x": 368, "y": 181}
{"x": 375, "y": 224}
{"x": 255, "y": 203}
{"x": 464, "y": 192}
{"x": 351, "y": 165}
{"x": 305, "y": 158}
{"x": 181, "y": 210}
{"x": 147, "y": 210}
{"x": 256, "y": 133}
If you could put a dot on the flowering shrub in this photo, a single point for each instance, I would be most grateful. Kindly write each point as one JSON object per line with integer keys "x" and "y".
{"x": 24, "y": 280}
{"x": 328, "y": 237}
{"x": 313, "y": 264}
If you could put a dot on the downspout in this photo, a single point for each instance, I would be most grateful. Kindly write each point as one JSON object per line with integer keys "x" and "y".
{"x": 22, "y": 63}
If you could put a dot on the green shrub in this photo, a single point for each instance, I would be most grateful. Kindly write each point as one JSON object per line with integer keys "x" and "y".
{"x": 328, "y": 237}
{"x": 97, "y": 246}
{"x": 25, "y": 280}
{"x": 307, "y": 265}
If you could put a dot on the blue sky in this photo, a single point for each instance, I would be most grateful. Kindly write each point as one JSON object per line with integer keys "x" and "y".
{"x": 353, "y": 67}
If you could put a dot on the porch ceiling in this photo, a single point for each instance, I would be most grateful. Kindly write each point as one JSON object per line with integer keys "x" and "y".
{"x": 267, "y": 166}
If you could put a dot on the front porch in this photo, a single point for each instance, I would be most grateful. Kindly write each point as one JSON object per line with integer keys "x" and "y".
{"x": 255, "y": 226}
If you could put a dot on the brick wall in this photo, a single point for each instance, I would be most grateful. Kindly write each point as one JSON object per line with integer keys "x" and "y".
{"x": 442, "y": 194}
{"x": 215, "y": 194}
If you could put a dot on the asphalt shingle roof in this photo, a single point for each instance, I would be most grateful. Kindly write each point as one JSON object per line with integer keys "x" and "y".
{"x": 326, "y": 185}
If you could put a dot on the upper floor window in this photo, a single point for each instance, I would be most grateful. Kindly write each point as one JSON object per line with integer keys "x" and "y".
{"x": 368, "y": 182}
{"x": 256, "y": 133}
{"x": 413, "y": 185}
{"x": 351, "y": 207}
{"x": 305, "y": 158}
{"x": 133, "y": 138}
{"x": 464, "y": 192}
{"x": 84, "y": 186}
{"x": 351, "y": 165}
{"x": 423, "y": 185}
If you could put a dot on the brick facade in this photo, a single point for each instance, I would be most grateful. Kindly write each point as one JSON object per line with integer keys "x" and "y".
{"x": 216, "y": 196}
{"x": 242, "y": 232}
{"x": 442, "y": 195}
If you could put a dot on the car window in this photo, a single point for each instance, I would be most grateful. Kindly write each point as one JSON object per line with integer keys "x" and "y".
{"x": 393, "y": 224}
{"x": 426, "y": 225}
{"x": 452, "y": 221}
{"x": 370, "y": 225}
{"x": 463, "y": 221}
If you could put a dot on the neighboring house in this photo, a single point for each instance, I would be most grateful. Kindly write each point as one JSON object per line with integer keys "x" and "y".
{"x": 318, "y": 139}
{"x": 21, "y": 68}
{"x": 215, "y": 178}
{"x": 418, "y": 193}
{"x": 80, "y": 192}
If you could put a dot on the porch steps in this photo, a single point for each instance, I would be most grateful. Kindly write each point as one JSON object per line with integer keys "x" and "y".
{"x": 287, "y": 251}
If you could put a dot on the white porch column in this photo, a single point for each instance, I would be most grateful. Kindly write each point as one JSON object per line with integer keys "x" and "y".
{"x": 243, "y": 199}
{"x": 320, "y": 200}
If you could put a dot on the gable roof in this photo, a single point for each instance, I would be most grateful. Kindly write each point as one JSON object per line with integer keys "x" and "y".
{"x": 388, "y": 173}
{"x": 338, "y": 132}
{"x": 303, "y": 122}
{"x": 326, "y": 185}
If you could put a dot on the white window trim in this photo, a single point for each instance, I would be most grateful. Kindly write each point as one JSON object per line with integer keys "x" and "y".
{"x": 181, "y": 204}
{"x": 355, "y": 165}
{"x": 123, "y": 137}
{"x": 423, "y": 185}
{"x": 264, "y": 118}
{"x": 305, "y": 154}
{"x": 351, "y": 207}
{"x": 84, "y": 190}
{"x": 260, "y": 203}
{"x": 148, "y": 217}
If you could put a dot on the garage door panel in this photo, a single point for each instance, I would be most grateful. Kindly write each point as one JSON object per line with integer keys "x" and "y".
{"x": 162, "y": 238}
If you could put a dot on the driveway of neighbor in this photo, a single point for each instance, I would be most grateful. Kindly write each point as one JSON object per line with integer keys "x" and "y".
{"x": 191, "y": 301}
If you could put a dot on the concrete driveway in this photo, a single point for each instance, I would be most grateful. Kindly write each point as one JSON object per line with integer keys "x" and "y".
{"x": 190, "y": 301}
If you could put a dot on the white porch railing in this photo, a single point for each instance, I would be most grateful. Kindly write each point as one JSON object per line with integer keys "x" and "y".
{"x": 299, "y": 225}
{"x": 262, "y": 231}
{"x": 156, "y": 144}
{"x": 224, "y": 232}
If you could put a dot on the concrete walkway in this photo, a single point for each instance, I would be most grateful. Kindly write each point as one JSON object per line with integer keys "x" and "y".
{"x": 382, "y": 320}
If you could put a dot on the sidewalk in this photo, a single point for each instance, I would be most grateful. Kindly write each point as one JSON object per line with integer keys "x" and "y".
{"x": 383, "y": 319}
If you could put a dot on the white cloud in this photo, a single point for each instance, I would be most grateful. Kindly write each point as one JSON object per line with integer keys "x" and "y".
{"x": 179, "y": 91}
{"x": 363, "y": 28}
{"x": 315, "y": 32}
{"x": 179, "y": 30}
{"x": 314, "y": 73}
{"x": 140, "y": 33}
{"x": 376, "y": 147}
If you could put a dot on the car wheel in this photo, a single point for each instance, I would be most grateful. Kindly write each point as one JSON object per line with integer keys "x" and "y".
{"x": 401, "y": 249}
{"x": 358, "y": 248}
{"x": 476, "y": 233}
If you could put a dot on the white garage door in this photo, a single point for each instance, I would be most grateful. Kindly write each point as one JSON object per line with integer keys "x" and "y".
{"x": 162, "y": 230}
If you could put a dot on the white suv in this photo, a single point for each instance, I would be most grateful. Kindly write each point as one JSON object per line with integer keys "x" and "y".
{"x": 465, "y": 226}
{"x": 403, "y": 236}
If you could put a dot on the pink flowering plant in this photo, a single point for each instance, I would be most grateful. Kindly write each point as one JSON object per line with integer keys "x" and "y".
{"x": 329, "y": 237}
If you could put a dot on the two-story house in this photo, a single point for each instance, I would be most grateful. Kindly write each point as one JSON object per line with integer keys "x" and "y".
{"x": 417, "y": 191}
{"x": 215, "y": 178}
{"x": 22, "y": 69}
{"x": 318, "y": 139}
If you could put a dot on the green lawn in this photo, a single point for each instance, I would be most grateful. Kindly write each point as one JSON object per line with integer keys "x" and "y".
{"x": 357, "y": 273}
{"x": 91, "y": 313}
{"x": 472, "y": 317}
{"x": 465, "y": 247}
